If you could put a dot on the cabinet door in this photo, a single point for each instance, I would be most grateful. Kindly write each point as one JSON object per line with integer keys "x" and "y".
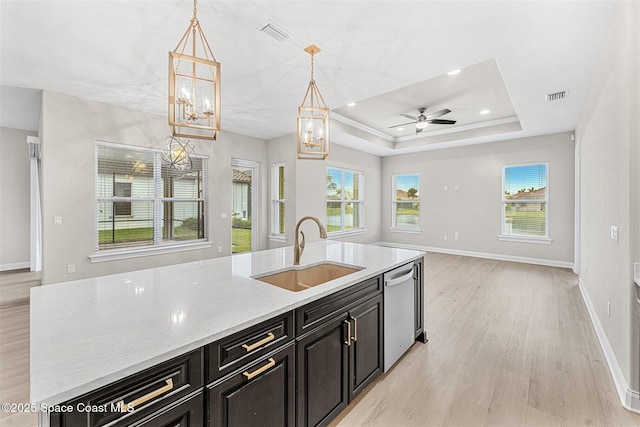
{"x": 366, "y": 349}
{"x": 322, "y": 370}
{"x": 262, "y": 394}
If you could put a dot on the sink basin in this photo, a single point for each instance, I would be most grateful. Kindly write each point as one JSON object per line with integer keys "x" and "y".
{"x": 298, "y": 279}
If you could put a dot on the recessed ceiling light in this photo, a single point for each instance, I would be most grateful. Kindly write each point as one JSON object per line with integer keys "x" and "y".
{"x": 454, "y": 72}
{"x": 485, "y": 112}
{"x": 399, "y": 129}
{"x": 351, "y": 104}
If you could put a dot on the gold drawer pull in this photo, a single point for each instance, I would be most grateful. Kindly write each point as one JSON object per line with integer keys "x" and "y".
{"x": 268, "y": 338}
{"x": 258, "y": 371}
{"x": 127, "y": 407}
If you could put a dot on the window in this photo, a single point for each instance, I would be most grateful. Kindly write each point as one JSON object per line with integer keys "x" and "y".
{"x": 277, "y": 200}
{"x": 406, "y": 202}
{"x": 140, "y": 202}
{"x": 525, "y": 201}
{"x": 122, "y": 189}
{"x": 345, "y": 194}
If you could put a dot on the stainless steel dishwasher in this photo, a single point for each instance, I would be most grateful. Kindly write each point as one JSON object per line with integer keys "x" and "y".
{"x": 399, "y": 322}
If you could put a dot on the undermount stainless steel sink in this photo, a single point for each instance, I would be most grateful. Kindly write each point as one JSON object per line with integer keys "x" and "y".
{"x": 298, "y": 279}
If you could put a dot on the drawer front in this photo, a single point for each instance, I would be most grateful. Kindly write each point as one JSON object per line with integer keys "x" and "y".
{"x": 317, "y": 312}
{"x": 260, "y": 394}
{"x": 188, "y": 412}
{"x": 232, "y": 352}
{"x": 133, "y": 398}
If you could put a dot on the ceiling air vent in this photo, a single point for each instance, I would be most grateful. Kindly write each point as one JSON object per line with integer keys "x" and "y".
{"x": 271, "y": 29}
{"x": 556, "y": 96}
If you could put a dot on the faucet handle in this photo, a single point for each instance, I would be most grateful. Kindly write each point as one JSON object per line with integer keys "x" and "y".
{"x": 301, "y": 243}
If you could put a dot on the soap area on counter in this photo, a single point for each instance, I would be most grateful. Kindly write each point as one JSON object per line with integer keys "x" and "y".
{"x": 89, "y": 333}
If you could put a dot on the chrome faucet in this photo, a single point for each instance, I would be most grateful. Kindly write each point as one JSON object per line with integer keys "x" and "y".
{"x": 298, "y": 247}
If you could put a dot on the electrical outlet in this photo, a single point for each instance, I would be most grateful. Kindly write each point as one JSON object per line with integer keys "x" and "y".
{"x": 456, "y": 236}
{"x": 219, "y": 249}
{"x": 446, "y": 237}
{"x": 57, "y": 220}
{"x": 614, "y": 233}
{"x": 223, "y": 215}
{"x": 71, "y": 268}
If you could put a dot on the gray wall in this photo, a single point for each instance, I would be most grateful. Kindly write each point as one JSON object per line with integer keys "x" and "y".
{"x": 305, "y": 188}
{"x": 69, "y": 128}
{"x": 609, "y": 137}
{"x": 474, "y": 210}
{"x": 14, "y": 199}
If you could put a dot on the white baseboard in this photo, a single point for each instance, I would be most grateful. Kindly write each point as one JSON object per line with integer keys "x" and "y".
{"x": 15, "y": 266}
{"x": 629, "y": 399}
{"x": 487, "y": 255}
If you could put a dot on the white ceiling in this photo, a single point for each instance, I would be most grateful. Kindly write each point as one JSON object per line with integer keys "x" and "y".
{"x": 390, "y": 57}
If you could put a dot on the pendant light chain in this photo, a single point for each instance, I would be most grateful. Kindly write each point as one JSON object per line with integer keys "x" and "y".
{"x": 195, "y": 8}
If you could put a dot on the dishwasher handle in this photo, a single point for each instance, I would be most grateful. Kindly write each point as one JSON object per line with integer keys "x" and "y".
{"x": 398, "y": 280}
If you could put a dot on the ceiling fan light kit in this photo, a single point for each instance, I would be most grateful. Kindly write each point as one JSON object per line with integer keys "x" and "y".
{"x": 422, "y": 121}
{"x": 313, "y": 120}
{"x": 194, "y": 85}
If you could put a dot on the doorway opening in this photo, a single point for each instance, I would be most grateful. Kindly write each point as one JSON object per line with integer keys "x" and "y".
{"x": 244, "y": 205}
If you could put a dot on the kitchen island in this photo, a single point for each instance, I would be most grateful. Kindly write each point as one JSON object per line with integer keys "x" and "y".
{"x": 88, "y": 333}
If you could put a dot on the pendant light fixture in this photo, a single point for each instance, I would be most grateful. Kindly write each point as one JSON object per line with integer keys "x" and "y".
{"x": 177, "y": 153}
{"x": 313, "y": 120}
{"x": 194, "y": 85}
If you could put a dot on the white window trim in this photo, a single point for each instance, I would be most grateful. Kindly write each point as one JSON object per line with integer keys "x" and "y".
{"x": 343, "y": 232}
{"x": 404, "y": 230}
{"x": 525, "y": 239}
{"x": 275, "y": 177}
{"x": 167, "y": 248}
{"x": 157, "y": 248}
{"x": 546, "y": 240}
{"x": 394, "y": 202}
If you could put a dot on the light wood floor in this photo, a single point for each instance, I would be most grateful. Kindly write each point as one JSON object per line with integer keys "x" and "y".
{"x": 509, "y": 345}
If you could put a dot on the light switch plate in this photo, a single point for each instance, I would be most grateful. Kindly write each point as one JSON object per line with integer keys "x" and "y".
{"x": 614, "y": 233}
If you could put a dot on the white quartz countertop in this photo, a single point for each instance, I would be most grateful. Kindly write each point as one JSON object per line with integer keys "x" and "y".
{"x": 88, "y": 333}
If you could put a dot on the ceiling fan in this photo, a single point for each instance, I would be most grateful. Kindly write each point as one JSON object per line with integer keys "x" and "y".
{"x": 422, "y": 121}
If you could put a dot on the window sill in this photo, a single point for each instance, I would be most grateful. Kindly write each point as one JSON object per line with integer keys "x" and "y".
{"x": 525, "y": 239}
{"x": 276, "y": 238}
{"x": 402, "y": 230}
{"x": 149, "y": 251}
{"x": 347, "y": 233}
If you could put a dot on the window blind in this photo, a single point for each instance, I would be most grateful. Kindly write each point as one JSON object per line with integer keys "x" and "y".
{"x": 406, "y": 202}
{"x": 141, "y": 202}
{"x": 525, "y": 200}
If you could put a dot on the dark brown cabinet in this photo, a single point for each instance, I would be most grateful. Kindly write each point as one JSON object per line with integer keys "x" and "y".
{"x": 143, "y": 396}
{"x": 366, "y": 350}
{"x": 300, "y": 368}
{"x": 336, "y": 360}
{"x": 260, "y": 394}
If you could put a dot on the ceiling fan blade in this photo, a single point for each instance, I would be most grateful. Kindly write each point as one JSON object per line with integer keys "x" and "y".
{"x": 438, "y": 113}
{"x": 442, "y": 122}
{"x": 409, "y": 117}
{"x": 403, "y": 124}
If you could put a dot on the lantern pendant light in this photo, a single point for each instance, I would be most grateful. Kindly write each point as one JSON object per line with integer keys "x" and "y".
{"x": 313, "y": 120}
{"x": 194, "y": 85}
